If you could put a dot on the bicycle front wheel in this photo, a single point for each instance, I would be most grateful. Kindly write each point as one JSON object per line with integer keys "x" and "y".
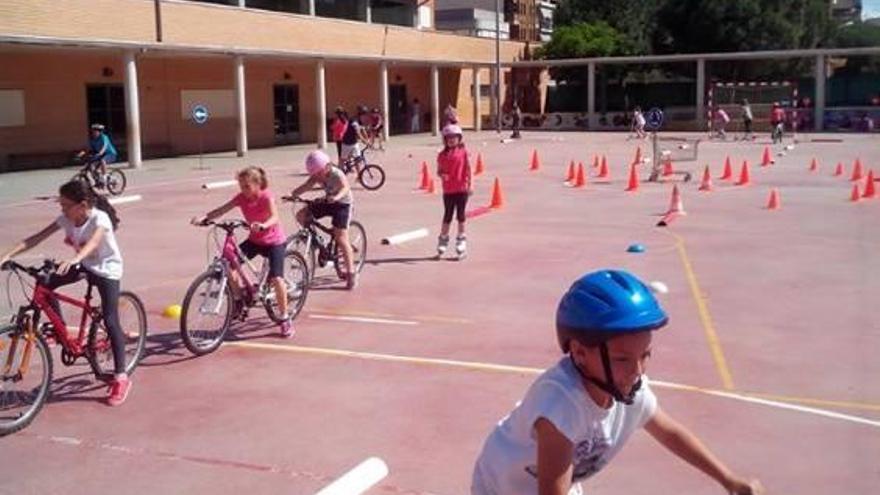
{"x": 296, "y": 281}
{"x": 25, "y": 374}
{"x": 133, "y": 324}
{"x": 357, "y": 237}
{"x": 306, "y": 249}
{"x": 372, "y": 177}
{"x": 116, "y": 182}
{"x": 207, "y": 312}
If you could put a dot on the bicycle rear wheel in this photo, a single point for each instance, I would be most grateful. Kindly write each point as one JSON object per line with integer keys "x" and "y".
{"x": 207, "y": 312}
{"x": 25, "y": 375}
{"x": 372, "y": 177}
{"x": 116, "y": 182}
{"x": 357, "y": 237}
{"x": 133, "y": 323}
{"x": 296, "y": 279}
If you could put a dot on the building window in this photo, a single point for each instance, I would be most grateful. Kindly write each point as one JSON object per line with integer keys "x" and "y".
{"x": 485, "y": 90}
{"x": 342, "y": 9}
{"x": 221, "y": 2}
{"x": 397, "y": 12}
{"x": 292, "y": 6}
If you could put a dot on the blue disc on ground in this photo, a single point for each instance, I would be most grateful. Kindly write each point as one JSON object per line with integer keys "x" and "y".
{"x": 635, "y": 248}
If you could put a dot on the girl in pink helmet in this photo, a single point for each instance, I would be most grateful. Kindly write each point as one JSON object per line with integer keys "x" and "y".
{"x": 457, "y": 178}
{"x": 337, "y": 203}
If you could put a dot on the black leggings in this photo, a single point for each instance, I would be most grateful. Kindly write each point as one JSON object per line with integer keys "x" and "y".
{"x": 748, "y": 125}
{"x": 109, "y": 291}
{"x": 455, "y": 202}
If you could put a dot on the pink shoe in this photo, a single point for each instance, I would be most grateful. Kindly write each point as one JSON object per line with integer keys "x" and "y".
{"x": 287, "y": 330}
{"x": 119, "y": 389}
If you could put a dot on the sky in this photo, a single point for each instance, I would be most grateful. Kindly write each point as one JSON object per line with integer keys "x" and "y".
{"x": 870, "y": 8}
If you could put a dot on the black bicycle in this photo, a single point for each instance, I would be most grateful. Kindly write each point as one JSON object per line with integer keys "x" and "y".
{"x": 113, "y": 181}
{"x": 369, "y": 175}
{"x": 318, "y": 246}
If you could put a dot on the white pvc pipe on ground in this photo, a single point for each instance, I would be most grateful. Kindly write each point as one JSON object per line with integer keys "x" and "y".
{"x": 405, "y": 237}
{"x": 358, "y": 480}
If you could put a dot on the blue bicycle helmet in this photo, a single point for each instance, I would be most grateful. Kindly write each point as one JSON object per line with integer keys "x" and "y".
{"x": 604, "y": 304}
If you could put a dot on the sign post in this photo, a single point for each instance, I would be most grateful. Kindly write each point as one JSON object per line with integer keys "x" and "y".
{"x": 199, "y": 115}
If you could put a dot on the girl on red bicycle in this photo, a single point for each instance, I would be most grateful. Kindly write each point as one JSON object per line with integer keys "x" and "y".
{"x": 267, "y": 236}
{"x": 89, "y": 222}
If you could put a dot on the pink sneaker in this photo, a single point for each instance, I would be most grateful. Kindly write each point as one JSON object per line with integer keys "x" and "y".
{"x": 119, "y": 389}
{"x": 287, "y": 330}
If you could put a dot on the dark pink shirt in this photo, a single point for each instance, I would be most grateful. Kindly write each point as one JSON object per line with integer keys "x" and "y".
{"x": 259, "y": 209}
{"x": 454, "y": 167}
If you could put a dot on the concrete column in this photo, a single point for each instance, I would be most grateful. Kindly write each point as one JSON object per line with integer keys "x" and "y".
{"x": 241, "y": 143}
{"x": 435, "y": 101}
{"x": 383, "y": 98}
{"x": 132, "y": 111}
{"x": 241, "y": 3}
{"x": 368, "y": 15}
{"x": 591, "y": 95}
{"x": 493, "y": 101}
{"x": 311, "y": 7}
{"x": 819, "y": 103}
{"x": 478, "y": 121}
{"x": 321, "y": 93}
{"x": 701, "y": 93}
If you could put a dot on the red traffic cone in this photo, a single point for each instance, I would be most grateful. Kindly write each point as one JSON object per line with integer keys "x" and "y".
{"x": 814, "y": 165}
{"x": 569, "y": 177}
{"x": 676, "y": 206}
{"x": 480, "y": 168}
{"x": 638, "y": 158}
{"x": 728, "y": 170}
{"x": 855, "y": 196}
{"x": 603, "y": 169}
{"x": 838, "y": 171}
{"x": 426, "y": 177}
{"x": 581, "y": 177}
{"x": 667, "y": 168}
{"x": 870, "y": 190}
{"x": 766, "y": 159}
{"x": 857, "y": 170}
{"x": 774, "y": 203}
{"x": 633, "y": 185}
{"x": 536, "y": 162}
{"x": 497, "y": 195}
{"x": 706, "y": 184}
{"x": 745, "y": 178}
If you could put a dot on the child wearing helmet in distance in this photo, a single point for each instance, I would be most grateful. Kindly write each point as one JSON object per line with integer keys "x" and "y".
{"x": 336, "y": 203}
{"x": 457, "y": 178}
{"x": 579, "y": 414}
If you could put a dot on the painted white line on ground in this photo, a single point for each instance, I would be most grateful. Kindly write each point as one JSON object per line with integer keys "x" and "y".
{"x": 219, "y": 184}
{"x": 405, "y": 237}
{"x": 125, "y": 199}
{"x": 362, "y": 320}
{"x": 358, "y": 480}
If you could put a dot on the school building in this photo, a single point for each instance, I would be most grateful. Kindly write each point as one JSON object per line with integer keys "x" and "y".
{"x": 270, "y": 72}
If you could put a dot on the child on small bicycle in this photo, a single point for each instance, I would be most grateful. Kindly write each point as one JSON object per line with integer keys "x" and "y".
{"x": 266, "y": 237}
{"x": 100, "y": 149}
{"x": 638, "y": 123}
{"x": 580, "y": 413}
{"x": 89, "y": 223}
{"x": 777, "y": 122}
{"x": 457, "y": 178}
{"x": 355, "y": 135}
{"x": 337, "y": 203}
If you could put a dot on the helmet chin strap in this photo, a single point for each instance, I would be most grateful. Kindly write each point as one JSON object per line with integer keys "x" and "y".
{"x": 608, "y": 385}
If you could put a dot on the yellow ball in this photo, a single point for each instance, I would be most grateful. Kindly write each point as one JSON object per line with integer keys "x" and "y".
{"x": 172, "y": 311}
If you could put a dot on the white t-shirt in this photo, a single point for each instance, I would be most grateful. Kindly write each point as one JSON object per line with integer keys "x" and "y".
{"x": 640, "y": 119}
{"x": 105, "y": 260}
{"x": 508, "y": 463}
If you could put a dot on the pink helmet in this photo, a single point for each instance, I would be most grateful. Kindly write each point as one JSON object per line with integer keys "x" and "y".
{"x": 316, "y": 162}
{"x": 451, "y": 130}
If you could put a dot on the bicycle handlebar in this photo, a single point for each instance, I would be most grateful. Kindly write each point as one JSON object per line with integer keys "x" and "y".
{"x": 229, "y": 225}
{"x": 48, "y": 267}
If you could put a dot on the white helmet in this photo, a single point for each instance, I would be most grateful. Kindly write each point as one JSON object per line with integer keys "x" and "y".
{"x": 316, "y": 162}
{"x": 451, "y": 130}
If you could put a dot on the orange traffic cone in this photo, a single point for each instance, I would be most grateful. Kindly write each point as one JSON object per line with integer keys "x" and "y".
{"x": 814, "y": 166}
{"x": 426, "y": 177}
{"x": 838, "y": 171}
{"x": 430, "y": 189}
{"x": 854, "y": 196}
{"x": 857, "y": 170}
{"x": 766, "y": 159}
{"x": 497, "y": 195}
{"x": 676, "y": 206}
{"x": 706, "y": 184}
{"x": 774, "y": 202}
{"x": 569, "y": 177}
{"x": 480, "y": 168}
{"x": 633, "y": 185}
{"x": 745, "y": 178}
{"x": 603, "y": 169}
{"x": 667, "y": 168}
{"x": 536, "y": 162}
{"x": 870, "y": 190}
{"x": 581, "y": 177}
{"x": 728, "y": 170}
{"x": 595, "y": 161}
{"x": 638, "y": 158}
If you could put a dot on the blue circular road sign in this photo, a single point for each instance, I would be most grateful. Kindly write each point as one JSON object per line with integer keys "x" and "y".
{"x": 654, "y": 119}
{"x": 199, "y": 114}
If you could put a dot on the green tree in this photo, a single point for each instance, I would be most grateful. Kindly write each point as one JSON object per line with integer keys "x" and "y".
{"x": 855, "y": 35}
{"x": 635, "y": 20}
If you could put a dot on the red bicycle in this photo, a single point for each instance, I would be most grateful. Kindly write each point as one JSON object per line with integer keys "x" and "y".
{"x": 25, "y": 358}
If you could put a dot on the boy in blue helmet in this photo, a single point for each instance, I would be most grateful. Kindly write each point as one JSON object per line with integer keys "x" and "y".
{"x": 578, "y": 414}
